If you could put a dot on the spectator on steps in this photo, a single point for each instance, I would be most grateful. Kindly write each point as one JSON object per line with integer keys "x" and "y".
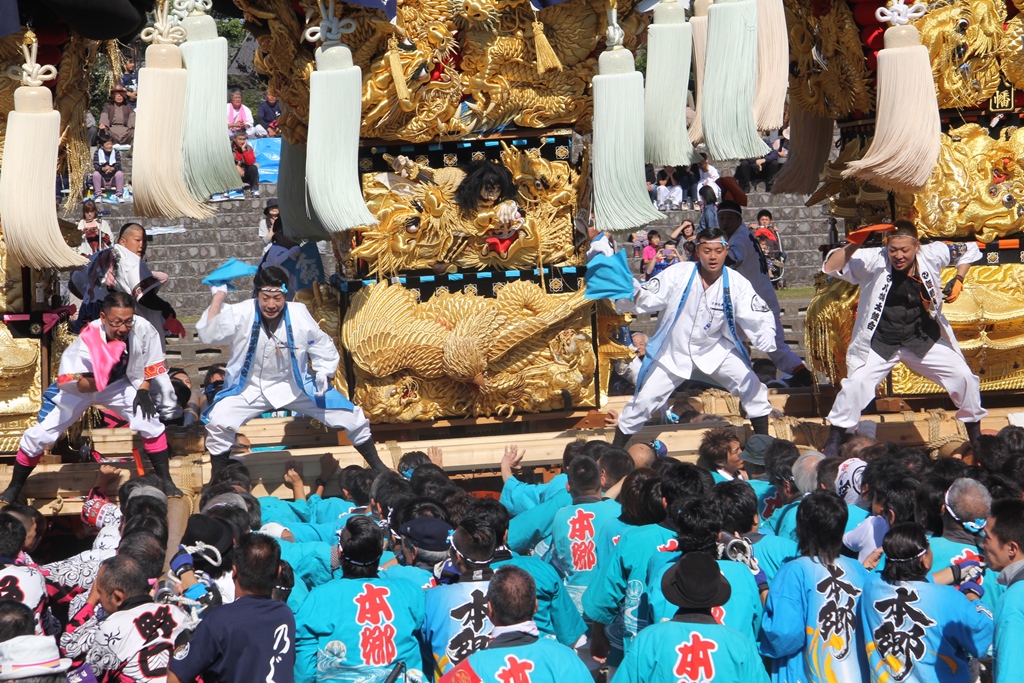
{"x": 762, "y": 169}
{"x": 270, "y": 214}
{"x": 245, "y": 162}
{"x": 670, "y": 193}
{"x": 107, "y": 173}
{"x": 117, "y": 119}
{"x": 239, "y": 116}
{"x": 267, "y": 115}
{"x": 130, "y": 80}
{"x": 709, "y": 215}
{"x": 708, "y": 177}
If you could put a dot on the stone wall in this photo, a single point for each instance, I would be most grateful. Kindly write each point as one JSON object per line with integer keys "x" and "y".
{"x": 188, "y": 257}
{"x": 803, "y": 230}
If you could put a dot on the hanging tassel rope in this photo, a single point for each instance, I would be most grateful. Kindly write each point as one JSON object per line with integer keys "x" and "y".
{"x": 300, "y": 220}
{"x": 547, "y": 60}
{"x": 699, "y": 31}
{"x": 157, "y": 177}
{"x": 907, "y": 130}
{"x": 29, "y": 166}
{"x": 620, "y": 189}
{"x": 772, "y": 65}
{"x": 730, "y": 76}
{"x": 667, "y": 142}
{"x": 207, "y": 159}
{"x": 335, "y": 112}
{"x": 810, "y": 144}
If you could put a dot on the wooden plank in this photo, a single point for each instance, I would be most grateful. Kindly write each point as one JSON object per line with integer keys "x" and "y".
{"x": 891, "y": 404}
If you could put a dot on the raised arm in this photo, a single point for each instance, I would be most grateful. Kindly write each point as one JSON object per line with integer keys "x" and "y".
{"x": 216, "y": 326}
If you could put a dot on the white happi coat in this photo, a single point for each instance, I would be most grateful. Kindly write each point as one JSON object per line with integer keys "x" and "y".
{"x": 870, "y": 269}
{"x": 687, "y": 344}
{"x": 145, "y": 356}
{"x": 131, "y": 276}
{"x": 271, "y": 374}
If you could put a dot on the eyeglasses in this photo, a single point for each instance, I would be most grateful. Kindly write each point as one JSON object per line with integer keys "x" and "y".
{"x": 126, "y": 324}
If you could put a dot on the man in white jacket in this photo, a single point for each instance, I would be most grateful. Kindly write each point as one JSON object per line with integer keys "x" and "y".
{"x": 113, "y": 363}
{"x": 899, "y": 318}
{"x": 703, "y": 307}
{"x": 273, "y": 343}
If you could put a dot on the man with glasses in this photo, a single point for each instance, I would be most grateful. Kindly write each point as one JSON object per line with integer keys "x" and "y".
{"x": 111, "y": 363}
{"x": 899, "y": 318}
{"x": 280, "y": 359}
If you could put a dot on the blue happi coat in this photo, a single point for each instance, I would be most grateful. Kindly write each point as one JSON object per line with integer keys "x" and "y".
{"x": 518, "y": 496}
{"x": 574, "y": 551}
{"x": 742, "y": 612}
{"x": 358, "y": 629}
{"x": 689, "y": 651}
{"x": 542, "y": 661}
{"x": 810, "y": 628}
{"x": 457, "y": 622}
{"x": 620, "y": 583}
{"x": 919, "y": 632}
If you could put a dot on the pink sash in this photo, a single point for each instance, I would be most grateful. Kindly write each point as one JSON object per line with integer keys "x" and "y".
{"x": 105, "y": 355}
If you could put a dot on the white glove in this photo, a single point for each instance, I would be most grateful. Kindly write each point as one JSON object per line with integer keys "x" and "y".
{"x": 764, "y": 340}
{"x": 323, "y": 383}
{"x": 218, "y": 288}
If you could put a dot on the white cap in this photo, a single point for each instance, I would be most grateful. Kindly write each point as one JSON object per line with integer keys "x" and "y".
{"x": 28, "y": 656}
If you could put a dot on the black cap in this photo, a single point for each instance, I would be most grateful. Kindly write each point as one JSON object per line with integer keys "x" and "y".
{"x": 271, "y": 204}
{"x": 208, "y": 530}
{"x": 427, "y": 533}
{"x": 696, "y": 582}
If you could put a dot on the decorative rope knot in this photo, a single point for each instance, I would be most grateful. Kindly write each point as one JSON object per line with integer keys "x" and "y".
{"x": 31, "y": 73}
{"x": 614, "y": 35}
{"x": 328, "y": 33}
{"x": 899, "y": 14}
{"x": 183, "y": 8}
{"x": 166, "y": 28}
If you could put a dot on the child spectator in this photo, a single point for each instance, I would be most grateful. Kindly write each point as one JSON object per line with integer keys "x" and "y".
{"x": 245, "y": 162}
{"x": 96, "y": 234}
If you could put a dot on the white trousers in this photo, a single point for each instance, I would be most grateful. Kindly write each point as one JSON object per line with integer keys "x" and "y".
{"x": 229, "y": 414}
{"x": 941, "y": 364}
{"x": 670, "y": 194}
{"x": 69, "y": 404}
{"x": 733, "y": 374}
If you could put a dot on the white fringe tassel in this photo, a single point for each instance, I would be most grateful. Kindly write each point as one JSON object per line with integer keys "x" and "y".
{"x": 729, "y": 82}
{"x": 620, "y": 189}
{"x": 208, "y": 162}
{"x": 157, "y": 179}
{"x": 300, "y": 220}
{"x": 29, "y": 166}
{"x": 699, "y": 29}
{"x": 809, "y": 147}
{"x": 332, "y": 145}
{"x": 907, "y": 130}
{"x": 772, "y": 65}
{"x": 669, "y": 42}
